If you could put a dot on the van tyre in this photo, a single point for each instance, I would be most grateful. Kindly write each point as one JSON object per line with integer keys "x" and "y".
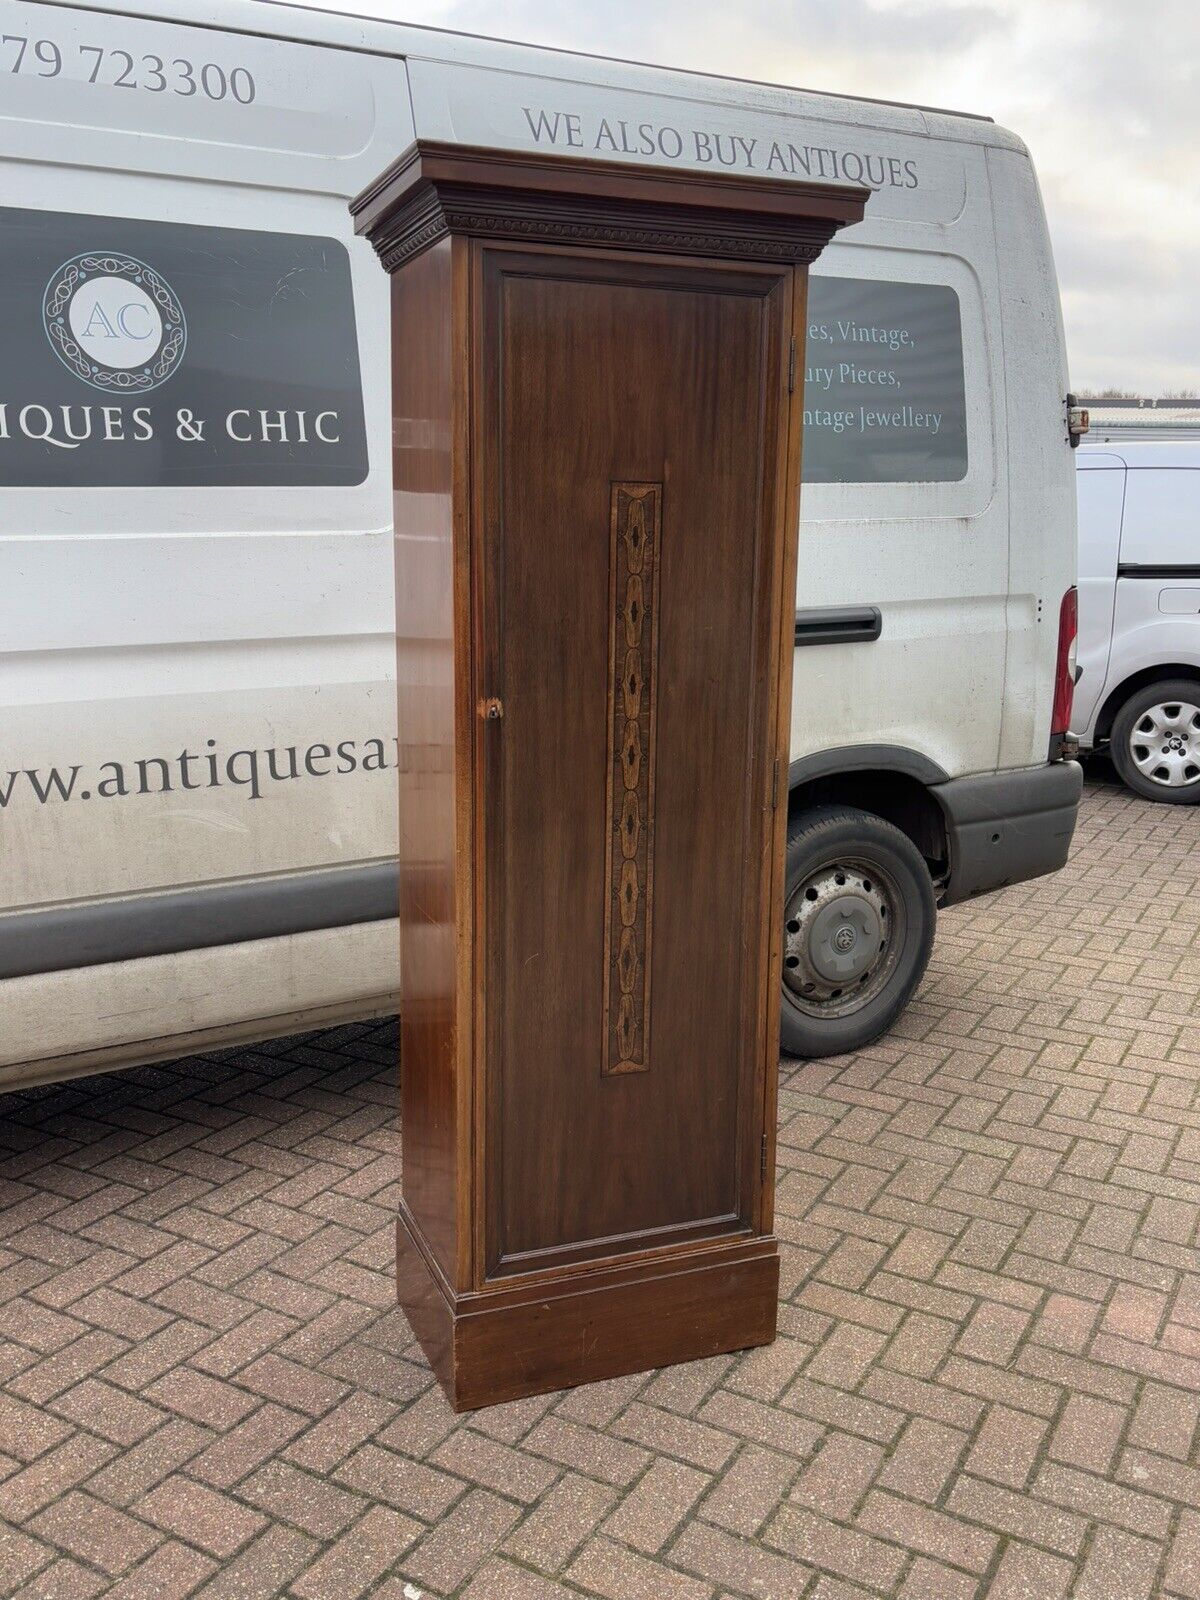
{"x": 1155, "y": 742}
{"x": 859, "y": 917}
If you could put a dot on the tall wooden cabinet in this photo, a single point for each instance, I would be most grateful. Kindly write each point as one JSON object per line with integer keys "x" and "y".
{"x": 596, "y": 446}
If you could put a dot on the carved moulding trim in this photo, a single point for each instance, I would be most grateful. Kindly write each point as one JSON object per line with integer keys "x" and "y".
{"x": 432, "y": 215}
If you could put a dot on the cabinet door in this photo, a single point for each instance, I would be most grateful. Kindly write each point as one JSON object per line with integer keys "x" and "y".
{"x": 631, "y": 424}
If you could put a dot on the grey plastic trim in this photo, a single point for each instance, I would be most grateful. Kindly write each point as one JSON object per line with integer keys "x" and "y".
{"x": 1001, "y": 827}
{"x": 1008, "y": 827}
{"x": 1139, "y": 569}
{"x": 195, "y": 919}
{"x": 865, "y": 757}
{"x": 838, "y": 625}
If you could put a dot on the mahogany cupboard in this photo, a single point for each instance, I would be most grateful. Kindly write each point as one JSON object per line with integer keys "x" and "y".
{"x": 596, "y": 445}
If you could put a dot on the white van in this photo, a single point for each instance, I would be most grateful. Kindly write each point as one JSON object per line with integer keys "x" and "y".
{"x": 197, "y": 784}
{"x": 1138, "y": 692}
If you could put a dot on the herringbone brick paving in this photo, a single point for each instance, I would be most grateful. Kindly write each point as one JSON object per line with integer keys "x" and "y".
{"x": 986, "y": 1380}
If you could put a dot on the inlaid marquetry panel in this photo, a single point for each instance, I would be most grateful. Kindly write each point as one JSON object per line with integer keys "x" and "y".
{"x": 636, "y": 529}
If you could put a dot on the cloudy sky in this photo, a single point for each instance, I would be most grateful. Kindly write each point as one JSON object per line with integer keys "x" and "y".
{"x": 1106, "y": 93}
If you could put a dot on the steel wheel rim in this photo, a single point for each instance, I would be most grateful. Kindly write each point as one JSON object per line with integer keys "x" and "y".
{"x": 1164, "y": 744}
{"x": 844, "y": 928}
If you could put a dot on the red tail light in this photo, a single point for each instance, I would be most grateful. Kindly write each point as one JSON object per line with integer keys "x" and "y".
{"x": 1064, "y": 666}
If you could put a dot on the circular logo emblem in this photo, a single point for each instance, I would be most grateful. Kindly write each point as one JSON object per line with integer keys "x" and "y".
{"x": 114, "y": 321}
{"x": 845, "y": 938}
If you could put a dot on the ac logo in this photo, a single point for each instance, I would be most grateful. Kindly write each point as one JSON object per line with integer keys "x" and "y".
{"x": 115, "y": 322}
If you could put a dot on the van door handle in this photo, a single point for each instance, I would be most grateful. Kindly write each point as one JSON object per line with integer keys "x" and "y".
{"x": 838, "y": 625}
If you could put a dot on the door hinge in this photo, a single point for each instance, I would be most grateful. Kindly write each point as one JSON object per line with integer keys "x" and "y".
{"x": 762, "y": 1159}
{"x": 792, "y": 367}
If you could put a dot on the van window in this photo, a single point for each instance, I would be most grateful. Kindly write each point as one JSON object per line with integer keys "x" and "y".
{"x": 884, "y": 397}
{"x": 1159, "y": 527}
{"x": 137, "y": 353}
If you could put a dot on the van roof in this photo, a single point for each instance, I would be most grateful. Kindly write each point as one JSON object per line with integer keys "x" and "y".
{"x": 351, "y": 31}
{"x": 1141, "y": 453}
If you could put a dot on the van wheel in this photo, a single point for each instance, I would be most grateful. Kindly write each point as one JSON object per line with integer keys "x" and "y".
{"x": 858, "y": 929}
{"x": 1155, "y": 742}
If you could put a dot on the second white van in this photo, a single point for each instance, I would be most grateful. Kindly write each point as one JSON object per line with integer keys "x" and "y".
{"x": 1138, "y": 694}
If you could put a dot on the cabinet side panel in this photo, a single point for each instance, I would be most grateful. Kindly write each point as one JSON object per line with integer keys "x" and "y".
{"x": 785, "y": 430}
{"x": 430, "y": 910}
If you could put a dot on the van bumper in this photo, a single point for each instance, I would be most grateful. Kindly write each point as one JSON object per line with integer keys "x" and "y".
{"x": 1007, "y": 827}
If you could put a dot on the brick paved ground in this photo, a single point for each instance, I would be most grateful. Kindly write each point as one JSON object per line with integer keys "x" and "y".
{"x": 989, "y": 1356}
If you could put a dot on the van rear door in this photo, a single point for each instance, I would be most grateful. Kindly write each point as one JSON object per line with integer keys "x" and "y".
{"x": 1100, "y": 481}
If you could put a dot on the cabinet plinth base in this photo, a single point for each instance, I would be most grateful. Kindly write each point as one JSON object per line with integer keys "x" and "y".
{"x": 529, "y": 1339}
